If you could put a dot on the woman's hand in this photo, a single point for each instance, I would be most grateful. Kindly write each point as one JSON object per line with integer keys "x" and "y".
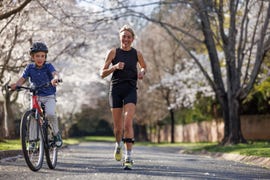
{"x": 120, "y": 65}
{"x": 141, "y": 74}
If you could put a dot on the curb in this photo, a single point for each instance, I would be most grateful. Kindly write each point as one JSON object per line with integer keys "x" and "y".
{"x": 9, "y": 153}
{"x": 253, "y": 160}
{"x": 13, "y": 153}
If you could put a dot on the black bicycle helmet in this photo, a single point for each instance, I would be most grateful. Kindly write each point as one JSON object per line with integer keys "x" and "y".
{"x": 38, "y": 47}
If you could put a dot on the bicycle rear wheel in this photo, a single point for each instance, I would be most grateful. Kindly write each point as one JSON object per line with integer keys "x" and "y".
{"x": 31, "y": 140}
{"x": 51, "y": 150}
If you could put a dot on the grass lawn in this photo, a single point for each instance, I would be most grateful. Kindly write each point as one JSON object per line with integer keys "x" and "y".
{"x": 71, "y": 141}
{"x": 260, "y": 148}
{"x": 15, "y": 144}
{"x": 7, "y": 144}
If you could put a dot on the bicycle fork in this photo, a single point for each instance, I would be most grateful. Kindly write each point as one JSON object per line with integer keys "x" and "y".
{"x": 43, "y": 126}
{"x": 40, "y": 127}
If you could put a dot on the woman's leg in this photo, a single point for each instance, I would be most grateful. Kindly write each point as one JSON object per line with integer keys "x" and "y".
{"x": 129, "y": 111}
{"x": 117, "y": 123}
{"x": 118, "y": 132}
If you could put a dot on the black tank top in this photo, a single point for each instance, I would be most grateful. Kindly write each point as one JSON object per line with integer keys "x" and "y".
{"x": 129, "y": 73}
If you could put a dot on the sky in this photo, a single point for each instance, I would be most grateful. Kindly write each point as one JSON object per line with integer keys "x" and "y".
{"x": 98, "y": 4}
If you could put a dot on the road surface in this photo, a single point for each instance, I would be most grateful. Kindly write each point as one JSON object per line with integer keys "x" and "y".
{"x": 95, "y": 161}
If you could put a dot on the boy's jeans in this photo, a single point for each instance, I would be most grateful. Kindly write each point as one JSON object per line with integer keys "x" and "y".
{"x": 50, "y": 106}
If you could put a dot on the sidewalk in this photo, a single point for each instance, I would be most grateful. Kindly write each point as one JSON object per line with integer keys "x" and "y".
{"x": 253, "y": 160}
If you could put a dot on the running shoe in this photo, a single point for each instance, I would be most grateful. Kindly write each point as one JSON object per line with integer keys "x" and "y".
{"x": 32, "y": 146}
{"x": 128, "y": 164}
{"x": 58, "y": 140}
{"x": 118, "y": 152}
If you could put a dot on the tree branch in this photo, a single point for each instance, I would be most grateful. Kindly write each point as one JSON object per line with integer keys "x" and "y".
{"x": 261, "y": 51}
{"x": 14, "y": 11}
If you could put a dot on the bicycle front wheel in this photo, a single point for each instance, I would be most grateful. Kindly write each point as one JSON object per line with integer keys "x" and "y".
{"x": 31, "y": 140}
{"x": 51, "y": 150}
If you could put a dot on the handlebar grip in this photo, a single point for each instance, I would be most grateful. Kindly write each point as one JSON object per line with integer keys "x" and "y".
{"x": 8, "y": 87}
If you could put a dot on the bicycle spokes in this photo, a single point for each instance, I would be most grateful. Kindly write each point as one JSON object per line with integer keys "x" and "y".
{"x": 32, "y": 141}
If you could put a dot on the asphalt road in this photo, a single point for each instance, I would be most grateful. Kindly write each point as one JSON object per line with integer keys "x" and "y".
{"x": 95, "y": 161}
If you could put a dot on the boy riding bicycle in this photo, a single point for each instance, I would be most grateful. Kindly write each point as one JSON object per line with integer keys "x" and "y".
{"x": 41, "y": 72}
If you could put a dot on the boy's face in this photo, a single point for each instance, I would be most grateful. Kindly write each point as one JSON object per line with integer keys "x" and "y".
{"x": 39, "y": 58}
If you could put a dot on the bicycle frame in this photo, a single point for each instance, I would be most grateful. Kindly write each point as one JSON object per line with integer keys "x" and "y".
{"x": 35, "y": 105}
{"x": 37, "y": 108}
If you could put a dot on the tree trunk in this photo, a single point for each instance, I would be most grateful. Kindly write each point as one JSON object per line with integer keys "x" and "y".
{"x": 2, "y": 114}
{"x": 172, "y": 125}
{"x": 232, "y": 122}
{"x": 235, "y": 135}
{"x": 226, "y": 120}
{"x": 9, "y": 125}
{"x": 5, "y": 124}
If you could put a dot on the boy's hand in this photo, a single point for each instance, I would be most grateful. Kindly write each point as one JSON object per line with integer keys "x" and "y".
{"x": 13, "y": 86}
{"x": 54, "y": 82}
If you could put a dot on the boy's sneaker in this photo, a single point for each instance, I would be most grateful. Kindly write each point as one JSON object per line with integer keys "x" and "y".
{"x": 118, "y": 152}
{"x": 32, "y": 146}
{"x": 128, "y": 164}
{"x": 58, "y": 140}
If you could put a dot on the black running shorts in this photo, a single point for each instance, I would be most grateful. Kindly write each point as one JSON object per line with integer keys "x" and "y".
{"x": 121, "y": 94}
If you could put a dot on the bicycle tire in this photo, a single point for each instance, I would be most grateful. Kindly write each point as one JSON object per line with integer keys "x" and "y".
{"x": 32, "y": 155}
{"x": 51, "y": 151}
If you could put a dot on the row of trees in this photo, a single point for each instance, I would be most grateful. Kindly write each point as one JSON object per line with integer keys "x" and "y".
{"x": 70, "y": 38}
{"x": 236, "y": 45}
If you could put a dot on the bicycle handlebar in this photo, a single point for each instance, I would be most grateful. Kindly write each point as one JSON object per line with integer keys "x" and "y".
{"x": 35, "y": 88}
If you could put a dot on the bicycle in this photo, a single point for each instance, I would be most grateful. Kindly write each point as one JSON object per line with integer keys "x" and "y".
{"x": 36, "y": 133}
